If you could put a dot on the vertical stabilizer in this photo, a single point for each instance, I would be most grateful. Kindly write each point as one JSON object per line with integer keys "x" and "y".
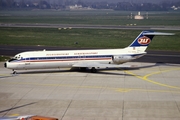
{"x": 145, "y": 38}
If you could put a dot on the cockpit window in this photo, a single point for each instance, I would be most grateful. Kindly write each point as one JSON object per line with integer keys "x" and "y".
{"x": 13, "y": 59}
{"x": 17, "y": 57}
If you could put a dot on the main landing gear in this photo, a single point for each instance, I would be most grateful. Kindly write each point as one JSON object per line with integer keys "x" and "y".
{"x": 93, "y": 70}
{"x": 83, "y": 69}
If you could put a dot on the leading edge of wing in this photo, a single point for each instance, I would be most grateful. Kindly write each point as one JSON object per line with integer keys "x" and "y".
{"x": 100, "y": 65}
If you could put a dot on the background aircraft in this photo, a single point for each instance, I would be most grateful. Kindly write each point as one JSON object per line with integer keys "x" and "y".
{"x": 28, "y": 117}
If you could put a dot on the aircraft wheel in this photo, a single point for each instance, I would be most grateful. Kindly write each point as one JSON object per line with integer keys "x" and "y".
{"x": 14, "y": 72}
{"x": 82, "y": 68}
{"x": 93, "y": 70}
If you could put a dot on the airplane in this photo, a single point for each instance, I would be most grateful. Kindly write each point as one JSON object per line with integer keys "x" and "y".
{"x": 28, "y": 117}
{"x": 93, "y": 59}
{"x": 16, "y": 117}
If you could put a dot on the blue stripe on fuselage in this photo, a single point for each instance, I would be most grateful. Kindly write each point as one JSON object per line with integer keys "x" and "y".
{"x": 72, "y": 57}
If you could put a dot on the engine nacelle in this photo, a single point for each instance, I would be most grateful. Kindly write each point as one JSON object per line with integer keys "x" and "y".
{"x": 121, "y": 59}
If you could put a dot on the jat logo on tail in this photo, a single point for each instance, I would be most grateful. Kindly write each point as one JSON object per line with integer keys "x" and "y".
{"x": 144, "y": 40}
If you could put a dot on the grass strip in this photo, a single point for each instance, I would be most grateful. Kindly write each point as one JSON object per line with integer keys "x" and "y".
{"x": 83, "y": 38}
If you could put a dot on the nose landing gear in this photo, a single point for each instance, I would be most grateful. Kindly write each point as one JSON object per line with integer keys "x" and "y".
{"x": 14, "y": 72}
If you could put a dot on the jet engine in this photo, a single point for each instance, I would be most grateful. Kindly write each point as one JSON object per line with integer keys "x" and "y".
{"x": 121, "y": 59}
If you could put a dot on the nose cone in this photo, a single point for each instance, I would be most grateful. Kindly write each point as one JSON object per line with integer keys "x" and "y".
{"x": 5, "y": 65}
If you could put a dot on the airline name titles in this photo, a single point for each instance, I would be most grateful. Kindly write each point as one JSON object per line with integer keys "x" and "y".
{"x": 78, "y": 53}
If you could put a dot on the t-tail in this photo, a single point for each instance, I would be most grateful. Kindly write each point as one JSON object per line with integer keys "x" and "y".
{"x": 144, "y": 39}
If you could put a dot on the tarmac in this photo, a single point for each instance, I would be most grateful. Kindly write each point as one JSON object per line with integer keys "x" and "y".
{"x": 149, "y": 91}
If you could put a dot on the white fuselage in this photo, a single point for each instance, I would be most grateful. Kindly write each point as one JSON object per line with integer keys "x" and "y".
{"x": 67, "y": 58}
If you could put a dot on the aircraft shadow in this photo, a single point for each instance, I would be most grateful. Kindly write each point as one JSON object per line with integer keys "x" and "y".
{"x": 17, "y": 107}
{"x": 99, "y": 71}
{"x": 104, "y": 71}
{"x": 6, "y": 76}
{"x": 44, "y": 71}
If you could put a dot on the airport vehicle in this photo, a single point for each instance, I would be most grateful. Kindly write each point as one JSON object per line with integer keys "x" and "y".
{"x": 28, "y": 117}
{"x": 93, "y": 59}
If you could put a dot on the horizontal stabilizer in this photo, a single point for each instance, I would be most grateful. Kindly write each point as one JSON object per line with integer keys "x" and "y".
{"x": 157, "y": 33}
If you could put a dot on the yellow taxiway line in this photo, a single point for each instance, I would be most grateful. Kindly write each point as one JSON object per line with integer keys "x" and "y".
{"x": 145, "y": 77}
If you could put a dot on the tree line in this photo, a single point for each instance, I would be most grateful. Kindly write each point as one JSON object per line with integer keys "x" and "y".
{"x": 61, "y": 4}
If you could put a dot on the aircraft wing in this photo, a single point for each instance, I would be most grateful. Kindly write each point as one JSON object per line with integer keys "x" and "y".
{"x": 28, "y": 117}
{"x": 100, "y": 65}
